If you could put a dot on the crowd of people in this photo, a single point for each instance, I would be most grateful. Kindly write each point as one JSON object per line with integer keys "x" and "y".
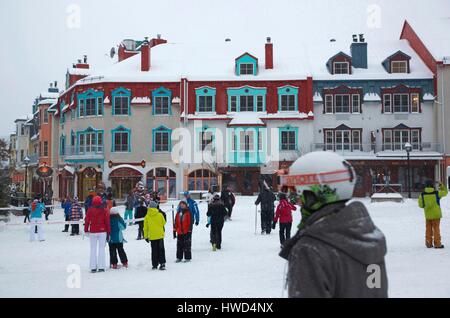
{"x": 332, "y": 230}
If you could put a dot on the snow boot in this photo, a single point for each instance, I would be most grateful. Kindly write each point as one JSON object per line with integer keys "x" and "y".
{"x": 214, "y": 247}
{"x": 154, "y": 268}
{"x": 162, "y": 267}
{"x": 114, "y": 266}
{"x": 101, "y": 270}
{"x": 178, "y": 261}
{"x": 125, "y": 265}
{"x": 187, "y": 260}
{"x": 439, "y": 247}
{"x": 93, "y": 271}
{"x": 263, "y": 232}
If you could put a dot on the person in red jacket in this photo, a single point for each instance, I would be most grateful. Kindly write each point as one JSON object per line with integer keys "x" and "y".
{"x": 284, "y": 215}
{"x": 97, "y": 224}
{"x": 183, "y": 230}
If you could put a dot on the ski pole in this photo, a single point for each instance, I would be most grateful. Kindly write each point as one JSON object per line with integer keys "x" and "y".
{"x": 256, "y": 219}
{"x": 173, "y": 222}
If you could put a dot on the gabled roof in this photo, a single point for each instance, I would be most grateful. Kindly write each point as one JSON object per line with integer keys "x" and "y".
{"x": 246, "y": 54}
{"x": 397, "y": 53}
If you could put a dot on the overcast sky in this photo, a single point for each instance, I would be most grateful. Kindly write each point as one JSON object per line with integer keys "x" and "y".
{"x": 40, "y": 39}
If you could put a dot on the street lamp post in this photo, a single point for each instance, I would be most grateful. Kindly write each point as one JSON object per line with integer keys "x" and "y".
{"x": 27, "y": 162}
{"x": 408, "y": 148}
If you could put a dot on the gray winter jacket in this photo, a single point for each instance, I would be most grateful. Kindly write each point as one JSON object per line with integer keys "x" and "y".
{"x": 331, "y": 256}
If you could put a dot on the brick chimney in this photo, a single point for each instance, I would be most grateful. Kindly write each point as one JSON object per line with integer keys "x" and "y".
{"x": 157, "y": 41}
{"x": 145, "y": 56}
{"x": 269, "y": 54}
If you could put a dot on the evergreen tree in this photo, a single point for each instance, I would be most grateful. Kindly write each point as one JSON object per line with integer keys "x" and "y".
{"x": 5, "y": 180}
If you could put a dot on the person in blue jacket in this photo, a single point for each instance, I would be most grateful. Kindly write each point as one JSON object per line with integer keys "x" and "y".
{"x": 36, "y": 211}
{"x": 193, "y": 208}
{"x": 116, "y": 239}
{"x": 67, "y": 206}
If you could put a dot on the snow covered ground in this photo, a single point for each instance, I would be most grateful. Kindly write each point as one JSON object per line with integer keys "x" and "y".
{"x": 248, "y": 265}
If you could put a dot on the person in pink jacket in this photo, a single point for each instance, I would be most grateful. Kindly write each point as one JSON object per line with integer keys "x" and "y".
{"x": 284, "y": 215}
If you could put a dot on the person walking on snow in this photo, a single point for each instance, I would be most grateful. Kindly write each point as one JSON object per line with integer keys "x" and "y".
{"x": 228, "y": 200}
{"x": 183, "y": 232}
{"x": 141, "y": 213}
{"x": 338, "y": 248}
{"x": 75, "y": 216}
{"x": 97, "y": 225}
{"x": 116, "y": 239}
{"x": 154, "y": 234}
{"x": 284, "y": 215}
{"x": 217, "y": 213}
{"x": 36, "y": 211}
{"x": 67, "y": 206}
{"x": 430, "y": 201}
{"x": 129, "y": 206}
{"x": 267, "y": 200}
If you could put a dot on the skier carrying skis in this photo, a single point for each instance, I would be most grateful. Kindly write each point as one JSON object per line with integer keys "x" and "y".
{"x": 284, "y": 215}
{"x": 339, "y": 252}
{"x": 267, "y": 199}
{"x": 216, "y": 214}
{"x": 228, "y": 200}
{"x": 430, "y": 201}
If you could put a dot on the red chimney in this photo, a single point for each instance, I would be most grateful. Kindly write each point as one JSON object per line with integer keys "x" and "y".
{"x": 157, "y": 41}
{"x": 145, "y": 56}
{"x": 269, "y": 54}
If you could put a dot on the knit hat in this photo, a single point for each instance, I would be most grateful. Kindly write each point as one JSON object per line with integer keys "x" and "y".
{"x": 216, "y": 197}
{"x": 186, "y": 194}
{"x": 153, "y": 205}
{"x": 114, "y": 211}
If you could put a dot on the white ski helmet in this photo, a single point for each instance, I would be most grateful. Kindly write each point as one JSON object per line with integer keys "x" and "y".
{"x": 326, "y": 174}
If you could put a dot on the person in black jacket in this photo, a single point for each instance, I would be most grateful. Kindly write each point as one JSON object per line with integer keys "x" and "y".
{"x": 228, "y": 200}
{"x": 216, "y": 216}
{"x": 267, "y": 200}
{"x": 140, "y": 213}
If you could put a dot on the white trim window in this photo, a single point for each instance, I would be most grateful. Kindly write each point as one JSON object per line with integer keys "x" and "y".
{"x": 399, "y": 67}
{"x": 395, "y": 139}
{"x": 387, "y": 103}
{"x": 341, "y": 68}
{"x": 342, "y": 104}
{"x": 343, "y": 140}
{"x": 401, "y": 103}
{"x": 415, "y": 103}
{"x": 356, "y": 103}
{"x": 246, "y": 69}
{"x": 328, "y": 104}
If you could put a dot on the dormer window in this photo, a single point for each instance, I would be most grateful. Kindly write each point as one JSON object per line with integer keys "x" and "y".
{"x": 397, "y": 63}
{"x": 246, "y": 69}
{"x": 399, "y": 67}
{"x": 341, "y": 68}
{"x": 246, "y": 64}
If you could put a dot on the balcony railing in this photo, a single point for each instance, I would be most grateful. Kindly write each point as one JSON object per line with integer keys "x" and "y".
{"x": 346, "y": 148}
{"x": 84, "y": 151}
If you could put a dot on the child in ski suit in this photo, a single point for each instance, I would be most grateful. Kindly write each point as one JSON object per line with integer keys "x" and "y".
{"x": 154, "y": 234}
{"x": 75, "y": 216}
{"x": 284, "y": 215}
{"x": 36, "y": 211}
{"x": 429, "y": 200}
{"x": 116, "y": 239}
{"x": 183, "y": 230}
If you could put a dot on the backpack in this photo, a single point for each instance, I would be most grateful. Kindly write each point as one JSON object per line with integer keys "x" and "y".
{"x": 436, "y": 193}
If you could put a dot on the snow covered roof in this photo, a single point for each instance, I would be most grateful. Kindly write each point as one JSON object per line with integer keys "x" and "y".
{"x": 48, "y": 101}
{"x": 49, "y": 95}
{"x": 429, "y": 97}
{"x": 79, "y": 71}
{"x": 141, "y": 100}
{"x": 317, "y": 97}
{"x": 372, "y": 97}
{"x": 293, "y": 59}
{"x": 435, "y": 34}
{"x": 240, "y": 119}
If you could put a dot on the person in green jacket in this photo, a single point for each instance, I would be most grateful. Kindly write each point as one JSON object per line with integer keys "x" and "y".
{"x": 430, "y": 201}
{"x": 154, "y": 234}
